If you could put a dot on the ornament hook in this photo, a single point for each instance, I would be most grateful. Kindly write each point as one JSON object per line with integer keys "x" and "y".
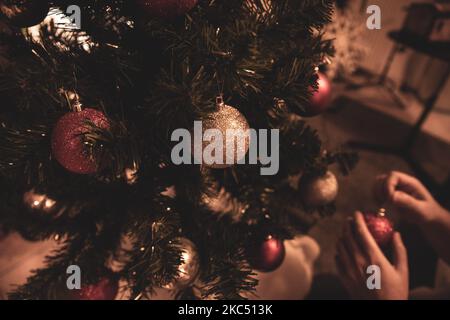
{"x": 219, "y": 101}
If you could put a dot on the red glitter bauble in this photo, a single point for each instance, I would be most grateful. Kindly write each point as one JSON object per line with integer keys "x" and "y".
{"x": 67, "y": 140}
{"x": 105, "y": 289}
{"x": 166, "y": 9}
{"x": 380, "y": 227}
{"x": 321, "y": 99}
{"x": 267, "y": 255}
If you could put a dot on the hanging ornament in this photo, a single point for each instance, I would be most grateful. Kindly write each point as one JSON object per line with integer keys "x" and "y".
{"x": 190, "y": 265}
{"x": 319, "y": 191}
{"x": 293, "y": 279}
{"x": 221, "y": 152}
{"x": 105, "y": 289}
{"x": 380, "y": 227}
{"x": 321, "y": 99}
{"x": 38, "y": 201}
{"x": 165, "y": 9}
{"x": 67, "y": 140}
{"x": 24, "y": 13}
{"x": 266, "y": 255}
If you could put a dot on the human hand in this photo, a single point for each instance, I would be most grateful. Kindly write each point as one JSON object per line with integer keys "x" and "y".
{"x": 408, "y": 196}
{"x": 357, "y": 250}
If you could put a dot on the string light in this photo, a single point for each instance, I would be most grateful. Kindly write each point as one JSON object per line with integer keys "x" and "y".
{"x": 131, "y": 175}
{"x": 49, "y": 203}
{"x": 38, "y": 201}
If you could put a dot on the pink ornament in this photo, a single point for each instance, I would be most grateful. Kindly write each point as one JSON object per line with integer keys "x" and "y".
{"x": 321, "y": 99}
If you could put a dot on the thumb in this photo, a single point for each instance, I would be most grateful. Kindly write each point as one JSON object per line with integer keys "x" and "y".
{"x": 400, "y": 254}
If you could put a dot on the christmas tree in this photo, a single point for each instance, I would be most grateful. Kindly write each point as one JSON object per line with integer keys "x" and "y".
{"x": 87, "y": 121}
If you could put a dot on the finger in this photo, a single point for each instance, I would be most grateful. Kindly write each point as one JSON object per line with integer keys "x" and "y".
{"x": 403, "y": 200}
{"x": 400, "y": 253}
{"x": 358, "y": 257}
{"x": 401, "y": 181}
{"x": 391, "y": 184}
{"x": 366, "y": 239}
{"x": 347, "y": 267}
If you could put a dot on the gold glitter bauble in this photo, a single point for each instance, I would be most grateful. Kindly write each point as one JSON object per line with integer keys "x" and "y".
{"x": 319, "y": 191}
{"x": 235, "y": 136}
{"x": 189, "y": 267}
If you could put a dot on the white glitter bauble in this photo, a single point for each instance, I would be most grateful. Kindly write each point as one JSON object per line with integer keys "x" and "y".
{"x": 319, "y": 191}
{"x": 234, "y": 133}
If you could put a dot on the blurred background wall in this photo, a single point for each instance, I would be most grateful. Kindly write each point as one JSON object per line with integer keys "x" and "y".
{"x": 416, "y": 70}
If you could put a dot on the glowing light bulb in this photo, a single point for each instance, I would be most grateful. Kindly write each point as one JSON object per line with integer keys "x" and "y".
{"x": 38, "y": 201}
